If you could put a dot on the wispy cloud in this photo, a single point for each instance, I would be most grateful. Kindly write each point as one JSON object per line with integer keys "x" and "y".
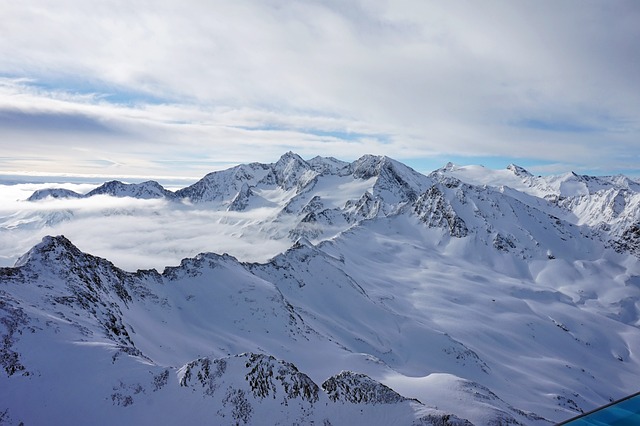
{"x": 142, "y": 84}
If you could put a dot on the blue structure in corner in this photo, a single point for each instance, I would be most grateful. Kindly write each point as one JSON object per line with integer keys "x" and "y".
{"x": 625, "y": 412}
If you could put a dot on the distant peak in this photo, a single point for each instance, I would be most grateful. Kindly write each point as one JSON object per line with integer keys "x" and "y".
{"x": 369, "y": 165}
{"x": 146, "y": 183}
{"x": 147, "y": 189}
{"x": 49, "y": 244}
{"x": 370, "y": 158}
{"x": 327, "y": 165}
{"x": 575, "y": 176}
{"x": 290, "y": 159}
{"x": 153, "y": 183}
{"x": 328, "y": 159}
{"x": 49, "y": 241}
{"x": 449, "y": 167}
{"x": 112, "y": 183}
{"x": 41, "y": 194}
{"x": 518, "y": 171}
{"x": 290, "y": 155}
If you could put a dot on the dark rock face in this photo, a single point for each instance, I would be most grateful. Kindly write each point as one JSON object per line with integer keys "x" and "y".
{"x": 13, "y": 319}
{"x": 204, "y": 372}
{"x": 359, "y": 388}
{"x": 267, "y": 375}
{"x": 629, "y": 240}
{"x": 436, "y": 212}
{"x": 264, "y": 375}
{"x": 503, "y": 243}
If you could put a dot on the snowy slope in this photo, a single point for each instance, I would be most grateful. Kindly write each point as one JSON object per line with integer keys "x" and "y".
{"x": 548, "y": 330}
{"x": 97, "y": 328}
{"x": 326, "y": 313}
{"x": 567, "y": 184}
{"x": 610, "y": 204}
{"x": 494, "y": 297}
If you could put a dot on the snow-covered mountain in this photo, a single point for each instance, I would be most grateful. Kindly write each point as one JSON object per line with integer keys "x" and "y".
{"x": 114, "y": 188}
{"x": 338, "y": 193}
{"x": 126, "y": 341}
{"x": 608, "y": 204}
{"x": 144, "y": 190}
{"x": 465, "y": 296}
{"x": 41, "y": 194}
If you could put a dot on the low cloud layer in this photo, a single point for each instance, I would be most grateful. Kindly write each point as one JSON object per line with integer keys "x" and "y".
{"x": 184, "y": 88}
{"x": 134, "y": 234}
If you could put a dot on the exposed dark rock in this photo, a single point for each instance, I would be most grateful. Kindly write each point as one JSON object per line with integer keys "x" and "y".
{"x": 359, "y": 388}
{"x": 436, "y": 212}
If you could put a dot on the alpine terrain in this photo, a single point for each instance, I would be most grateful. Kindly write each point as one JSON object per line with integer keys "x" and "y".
{"x": 381, "y": 296}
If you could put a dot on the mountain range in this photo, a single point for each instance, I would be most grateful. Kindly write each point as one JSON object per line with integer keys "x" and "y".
{"x": 467, "y": 295}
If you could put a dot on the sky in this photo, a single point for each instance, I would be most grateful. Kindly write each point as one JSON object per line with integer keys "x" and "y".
{"x": 181, "y": 88}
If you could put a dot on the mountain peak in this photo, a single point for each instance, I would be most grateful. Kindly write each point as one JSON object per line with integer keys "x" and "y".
{"x": 41, "y": 194}
{"x": 147, "y": 189}
{"x": 288, "y": 156}
{"x": 292, "y": 171}
{"x": 369, "y": 166}
{"x": 49, "y": 241}
{"x": 327, "y": 165}
{"x": 518, "y": 171}
{"x": 50, "y": 246}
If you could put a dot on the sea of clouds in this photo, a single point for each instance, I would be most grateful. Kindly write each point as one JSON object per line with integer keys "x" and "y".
{"x": 134, "y": 233}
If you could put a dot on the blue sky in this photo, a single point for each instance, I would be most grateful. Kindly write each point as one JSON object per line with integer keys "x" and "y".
{"x": 136, "y": 87}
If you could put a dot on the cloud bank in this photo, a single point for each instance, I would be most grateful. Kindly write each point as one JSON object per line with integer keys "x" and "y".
{"x": 134, "y": 233}
{"x": 183, "y": 88}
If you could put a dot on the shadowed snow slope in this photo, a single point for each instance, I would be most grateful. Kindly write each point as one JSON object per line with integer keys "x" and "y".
{"x": 402, "y": 299}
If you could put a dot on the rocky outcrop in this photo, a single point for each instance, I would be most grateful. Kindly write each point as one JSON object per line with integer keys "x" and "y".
{"x": 435, "y": 211}
{"x": 359, "y": 388}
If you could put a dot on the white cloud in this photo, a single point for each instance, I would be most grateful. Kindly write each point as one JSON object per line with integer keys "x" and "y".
{"x": 409, "y": 79}
{"x": 133, "y": 233}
